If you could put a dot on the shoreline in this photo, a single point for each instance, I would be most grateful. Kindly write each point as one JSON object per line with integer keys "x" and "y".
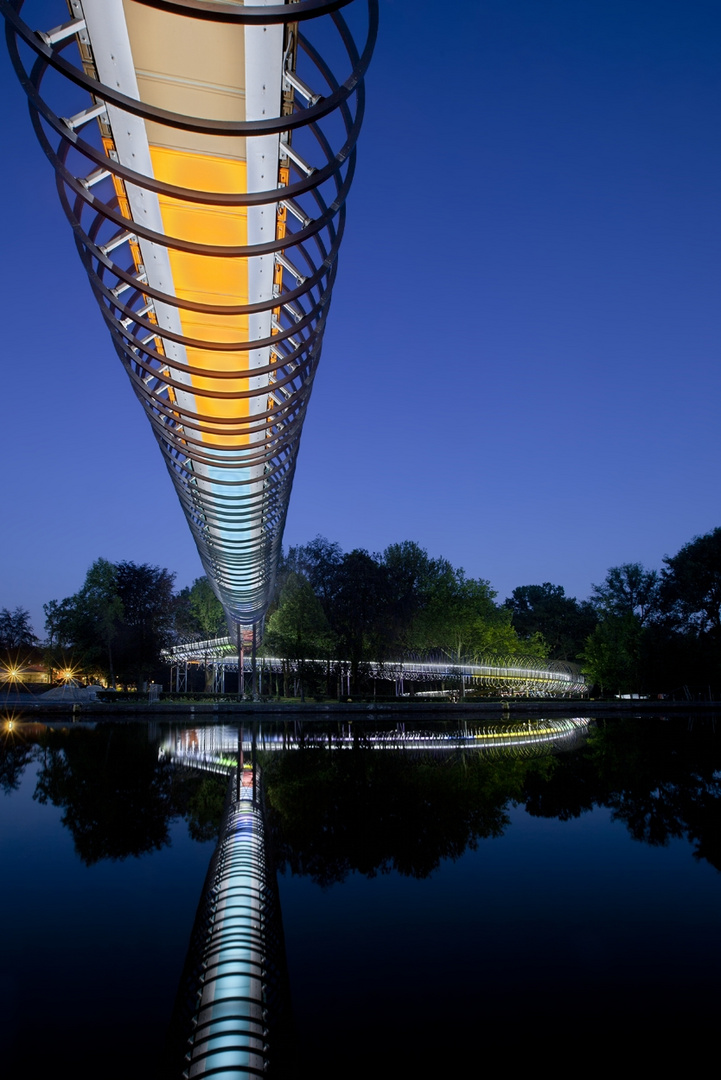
{"x": 27, "y": 707}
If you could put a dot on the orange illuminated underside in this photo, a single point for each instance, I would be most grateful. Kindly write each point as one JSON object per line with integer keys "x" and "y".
{"x": 209, "y": 280}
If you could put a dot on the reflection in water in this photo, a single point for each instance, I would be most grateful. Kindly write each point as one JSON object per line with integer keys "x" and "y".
{"x": 662, "y": 780}
{"x": 17, "y": 750}
{"x": 116, "y": 800}
{"x": 213, "y": 748}
{"x": 119, "y": 789}
{"x": 337, "y": 806}
{"x": 332, "y": 814}
{"x": 232, "y": 1014}
{"x": 118, "y": 797}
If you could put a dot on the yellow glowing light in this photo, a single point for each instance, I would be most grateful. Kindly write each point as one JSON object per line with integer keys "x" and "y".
{"x": 10, "y": 723}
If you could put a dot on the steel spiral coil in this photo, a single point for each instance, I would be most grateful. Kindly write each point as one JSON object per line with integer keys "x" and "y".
{"x": 203, "y": 154}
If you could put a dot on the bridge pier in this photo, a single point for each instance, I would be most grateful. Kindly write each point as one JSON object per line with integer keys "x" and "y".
{"x": 181, "y": 679}
{"x": 253, "y": 664}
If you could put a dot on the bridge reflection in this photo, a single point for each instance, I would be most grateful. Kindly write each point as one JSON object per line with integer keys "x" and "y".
{"x": 215, "y": 748}
{"x": 232, "y": 1004}
{"x": 232, "y": 1012}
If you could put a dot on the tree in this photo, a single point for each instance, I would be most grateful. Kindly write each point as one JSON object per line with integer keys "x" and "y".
{"x": 57, "y": 623}
{"x": 119, "y": 620}
{"x": 409, "y": 582}
{"x": 198, "y": 613}
{"x": 357, "y": 608}
{"x": 461, "y": 620}
{"x": 628, "y": 590}
{"x": 102, "y": 608}
{"x": 146, "y": 593}
{"x": 495, "y": 635}
{"x": 298, "y": 629}
{"x": 319, "y": 562}
{"x": 88, "y": 622}
{"x": 15, "y": 629}
{"x": 383, "y": 607}
{"x": 458, "y": 610}
{"x": 612, "y": 657}
{"x": 545, "y": 609}
{"x": 691, "y": 585}
{"x": 207, "y": 608}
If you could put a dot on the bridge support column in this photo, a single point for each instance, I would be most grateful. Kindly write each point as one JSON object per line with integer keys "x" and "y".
{"x": 241, "y": 660}
{"x": 253, "y": 664}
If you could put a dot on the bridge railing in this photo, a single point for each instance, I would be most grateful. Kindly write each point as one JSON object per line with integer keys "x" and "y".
{"x": 512, "y": 671}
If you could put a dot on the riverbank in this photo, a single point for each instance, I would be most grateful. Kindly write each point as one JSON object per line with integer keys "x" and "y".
{"x": 30, "y": 707}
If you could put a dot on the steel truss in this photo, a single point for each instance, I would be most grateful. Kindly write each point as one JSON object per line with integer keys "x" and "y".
{"x": 210, "y": 241}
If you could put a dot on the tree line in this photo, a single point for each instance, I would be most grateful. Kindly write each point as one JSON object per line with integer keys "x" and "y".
{"x": 116, "y": 625}
{"x": 660, "y": 632}
{"x": 640, "y": 631}
{"x": 402, "y": 603}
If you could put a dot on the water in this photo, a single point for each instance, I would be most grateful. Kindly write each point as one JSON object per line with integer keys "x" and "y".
{"x": 567, "y": 919}
{"x": 91, "y": 953}
{"x": 429, "y": 899}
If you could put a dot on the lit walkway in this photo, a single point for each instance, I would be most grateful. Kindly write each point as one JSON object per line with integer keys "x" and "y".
{"x": 520, "y": 675}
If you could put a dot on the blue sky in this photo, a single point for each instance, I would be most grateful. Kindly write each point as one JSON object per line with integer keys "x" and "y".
{"x": 521, "y": 367}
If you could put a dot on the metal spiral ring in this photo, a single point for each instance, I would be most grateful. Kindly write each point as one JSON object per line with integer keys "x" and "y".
{"x": 224, "y": 376}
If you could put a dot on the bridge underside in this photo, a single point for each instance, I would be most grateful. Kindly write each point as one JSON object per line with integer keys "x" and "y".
{"x": 203, "y": 154}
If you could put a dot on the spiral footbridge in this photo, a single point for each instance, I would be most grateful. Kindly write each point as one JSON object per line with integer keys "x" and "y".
{"x": 519, "y": 675}
{"x": 203, "y": 153}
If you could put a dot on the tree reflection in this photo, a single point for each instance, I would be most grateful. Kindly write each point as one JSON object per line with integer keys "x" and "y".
{"x": 661, "y": 778}
{"x": 118, "y": 798}
{"x": 205, "y": 808}
{"x": 15, "y": 756}
{"x": 334, "y": 812}
{"x": 665, "y": 787}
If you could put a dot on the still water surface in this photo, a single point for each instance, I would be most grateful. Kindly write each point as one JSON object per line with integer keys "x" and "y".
{"x": 429, "y": 899}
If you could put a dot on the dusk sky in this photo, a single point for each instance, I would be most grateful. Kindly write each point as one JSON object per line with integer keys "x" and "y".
{"x": 521, "y": 368}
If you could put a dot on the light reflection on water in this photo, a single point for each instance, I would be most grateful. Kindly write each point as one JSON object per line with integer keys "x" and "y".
{"x": 590, "y": 888}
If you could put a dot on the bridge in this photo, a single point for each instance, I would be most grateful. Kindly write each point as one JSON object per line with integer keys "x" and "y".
{"x": 527, "y": 676}
{"x": 231, "y": 1016}
{"x": 203, "y": 153}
